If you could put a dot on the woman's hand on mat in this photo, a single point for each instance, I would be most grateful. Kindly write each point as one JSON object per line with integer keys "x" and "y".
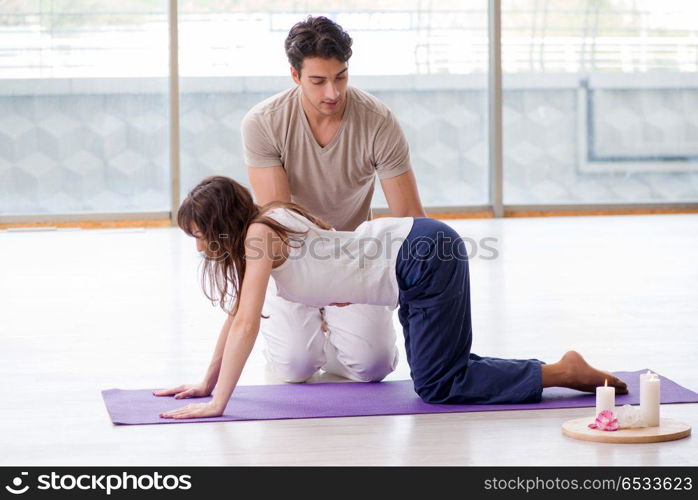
{"x": 194, "y": 410}
{"x": 186, "y": 391}
{"x": 340, "y": 304}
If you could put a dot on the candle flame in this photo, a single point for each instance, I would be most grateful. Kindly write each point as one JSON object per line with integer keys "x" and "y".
{"x": 605, "y": 382}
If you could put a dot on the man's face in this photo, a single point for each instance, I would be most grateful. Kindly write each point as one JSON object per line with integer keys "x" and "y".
{"x": 324, "y": 83}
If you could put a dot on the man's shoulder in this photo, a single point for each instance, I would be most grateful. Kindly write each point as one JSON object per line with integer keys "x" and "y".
{"x": 274, "y": 104}
{"x": 368, "y": 105}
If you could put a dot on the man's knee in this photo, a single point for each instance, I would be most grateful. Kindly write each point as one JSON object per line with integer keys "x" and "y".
{"x": 297, "y": 367}
{"x": 373, "y": 365}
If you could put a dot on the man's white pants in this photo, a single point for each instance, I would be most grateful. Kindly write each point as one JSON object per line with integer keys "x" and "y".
{"x": 355, "y": 341}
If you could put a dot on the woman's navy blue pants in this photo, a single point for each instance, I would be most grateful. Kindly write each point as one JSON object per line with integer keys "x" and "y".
{"x": 434, "y": 299}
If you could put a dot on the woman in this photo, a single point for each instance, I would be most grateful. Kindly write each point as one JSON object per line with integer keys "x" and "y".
{"x": 417, "y": 263}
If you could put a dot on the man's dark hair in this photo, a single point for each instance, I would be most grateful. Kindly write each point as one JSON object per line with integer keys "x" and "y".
{"x": 317, "y": 37}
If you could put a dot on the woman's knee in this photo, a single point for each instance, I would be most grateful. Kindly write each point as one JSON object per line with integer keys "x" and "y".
{"x": 432, "y": 394}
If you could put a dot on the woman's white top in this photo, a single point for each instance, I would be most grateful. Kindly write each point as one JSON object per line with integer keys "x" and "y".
{"x": 327, "y": 266}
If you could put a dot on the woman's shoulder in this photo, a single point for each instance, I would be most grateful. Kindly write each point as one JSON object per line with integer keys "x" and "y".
{"x": 280, "y": 214}
{"x": 258, "y": 230}
{"x": 288, "y": 216}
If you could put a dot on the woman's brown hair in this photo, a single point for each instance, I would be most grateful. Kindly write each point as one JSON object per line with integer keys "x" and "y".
{"x": 222, "y": 210}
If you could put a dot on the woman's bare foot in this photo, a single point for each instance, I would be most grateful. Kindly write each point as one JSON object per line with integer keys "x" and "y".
{"x": 574, "y": 372}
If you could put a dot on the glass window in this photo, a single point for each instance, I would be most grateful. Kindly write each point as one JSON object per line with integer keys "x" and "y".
{"x": 599, "y": 101}
{"x": 83, "y": 107}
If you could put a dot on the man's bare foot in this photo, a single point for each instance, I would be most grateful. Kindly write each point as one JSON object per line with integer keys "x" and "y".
{"x": 574, "y": 372}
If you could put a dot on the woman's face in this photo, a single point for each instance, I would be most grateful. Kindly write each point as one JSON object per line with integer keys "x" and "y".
{"x": 200, "y": 243}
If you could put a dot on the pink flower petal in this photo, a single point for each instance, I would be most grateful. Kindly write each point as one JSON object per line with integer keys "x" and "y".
{"x": 606, "y": 414}
{"x": 605, "y": 421}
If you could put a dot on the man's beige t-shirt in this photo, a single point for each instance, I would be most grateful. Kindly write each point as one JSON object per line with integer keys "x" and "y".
{"x": 334, "y": 182}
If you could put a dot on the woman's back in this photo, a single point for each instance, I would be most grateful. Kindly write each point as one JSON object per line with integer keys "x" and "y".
{"x": 327, "y": 266}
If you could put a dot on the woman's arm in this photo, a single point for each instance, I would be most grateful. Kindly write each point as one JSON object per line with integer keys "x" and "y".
{"x": 214, "y": 367}
{"x": 244, "y": 326}
{"x": 205, "y": 387}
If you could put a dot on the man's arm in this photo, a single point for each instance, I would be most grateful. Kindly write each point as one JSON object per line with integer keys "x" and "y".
{"x": 263, "y": 159}
{"x": 392, "y": 162}
{"x": 269, "y": 184}
{"x": 402, "y": 195}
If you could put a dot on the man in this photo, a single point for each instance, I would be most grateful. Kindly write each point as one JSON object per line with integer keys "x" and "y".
{"x": 321, "y": 144}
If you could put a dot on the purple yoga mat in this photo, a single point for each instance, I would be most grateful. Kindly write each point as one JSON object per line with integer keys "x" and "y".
{"x": 272, "y": 402}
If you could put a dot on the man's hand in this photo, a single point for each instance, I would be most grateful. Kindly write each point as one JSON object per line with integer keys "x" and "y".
{"x": 195, "y": 410}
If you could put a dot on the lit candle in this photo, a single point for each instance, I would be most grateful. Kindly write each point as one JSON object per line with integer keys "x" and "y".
{"x": 605, "y": 398}
{"x": 649, "y": 399}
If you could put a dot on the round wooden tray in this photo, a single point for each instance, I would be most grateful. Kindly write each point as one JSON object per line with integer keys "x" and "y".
{"x": 668, "y": 430}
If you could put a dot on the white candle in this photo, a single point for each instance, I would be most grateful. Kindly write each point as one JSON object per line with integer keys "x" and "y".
{"x": 605, "y": 398}
{"x": 649, "y": 399}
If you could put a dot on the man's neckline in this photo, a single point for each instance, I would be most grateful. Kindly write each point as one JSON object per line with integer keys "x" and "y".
{"x": 342, "y": 122}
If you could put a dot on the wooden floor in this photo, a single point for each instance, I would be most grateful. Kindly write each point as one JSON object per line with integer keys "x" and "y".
{"x": 87, "y": 310}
